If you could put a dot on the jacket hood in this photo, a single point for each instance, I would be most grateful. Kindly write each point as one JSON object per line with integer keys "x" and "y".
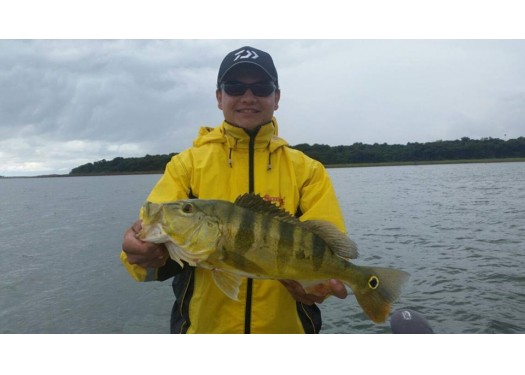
{"x": 238, "y": 138}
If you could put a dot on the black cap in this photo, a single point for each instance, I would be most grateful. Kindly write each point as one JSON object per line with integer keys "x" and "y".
{"x": 248, "y": 55}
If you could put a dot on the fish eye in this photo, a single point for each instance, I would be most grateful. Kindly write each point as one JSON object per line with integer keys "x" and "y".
{"x": 187, "y": 208}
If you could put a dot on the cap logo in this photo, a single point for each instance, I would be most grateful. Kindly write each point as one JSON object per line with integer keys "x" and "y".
{"x": 246, "y": 54}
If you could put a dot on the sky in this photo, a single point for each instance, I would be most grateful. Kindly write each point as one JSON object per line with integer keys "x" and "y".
{"x": 67, "y": 102}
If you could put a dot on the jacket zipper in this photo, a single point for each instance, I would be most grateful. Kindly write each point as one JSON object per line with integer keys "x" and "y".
{"x": 251, "y": 188}
{"x": 184, "y": 329}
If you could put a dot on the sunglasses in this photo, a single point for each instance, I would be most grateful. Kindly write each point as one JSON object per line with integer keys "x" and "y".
{"x": 258, "y": 89}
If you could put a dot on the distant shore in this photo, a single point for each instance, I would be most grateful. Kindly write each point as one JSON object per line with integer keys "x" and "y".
{"x": 431, "y": 162}
{"x": 85, "y": 175}
{"x": 351, "y": 165}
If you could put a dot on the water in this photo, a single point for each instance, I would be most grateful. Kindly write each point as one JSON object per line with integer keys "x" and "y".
{"x": 458, "y": 229}
{"x": 60, "y": 271}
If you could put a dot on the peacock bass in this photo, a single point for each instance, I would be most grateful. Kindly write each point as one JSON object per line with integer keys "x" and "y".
{"x": 255, "y": 239}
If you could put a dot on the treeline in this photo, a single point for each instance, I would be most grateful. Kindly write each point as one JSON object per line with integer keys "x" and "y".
{"x": 148, "y": 163}
{"x": 358, "y": 153}
{"x": 462, "y": 149}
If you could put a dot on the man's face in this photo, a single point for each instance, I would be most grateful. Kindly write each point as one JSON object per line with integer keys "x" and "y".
{"x": 247, "y": 111}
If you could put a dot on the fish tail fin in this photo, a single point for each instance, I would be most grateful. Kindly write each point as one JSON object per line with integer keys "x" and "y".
{"x": 376, "y": 289}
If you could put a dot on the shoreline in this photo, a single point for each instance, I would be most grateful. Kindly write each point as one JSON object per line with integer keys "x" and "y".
{"x": 328, "y": 166}
{"x": 429, "y": 162}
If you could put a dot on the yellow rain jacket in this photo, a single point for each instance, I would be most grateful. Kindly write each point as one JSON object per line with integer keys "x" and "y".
{"x": 223, "y": 163}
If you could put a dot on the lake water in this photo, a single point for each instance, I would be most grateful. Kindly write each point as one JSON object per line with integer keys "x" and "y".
{"x": 459, "y": 230}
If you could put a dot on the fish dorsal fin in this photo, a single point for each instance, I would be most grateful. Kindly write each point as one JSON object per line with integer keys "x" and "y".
{"x": 256, "y": 203}
{"x": 340, "y": 244}
{"x": 228, "y": 282}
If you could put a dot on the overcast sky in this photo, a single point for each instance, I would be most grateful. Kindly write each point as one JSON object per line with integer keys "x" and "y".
{"x": 64, "y": 103}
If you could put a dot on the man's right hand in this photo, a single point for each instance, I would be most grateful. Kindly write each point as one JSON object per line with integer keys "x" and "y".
{"x": 144, "y": 254}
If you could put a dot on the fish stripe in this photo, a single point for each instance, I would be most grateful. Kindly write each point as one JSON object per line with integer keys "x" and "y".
{"x": 265, "y": 227}
{"x": 301, "y": 245}
{"x": 298, "y": 243}
{"x": 286, "y": 244}
{"x": 230, "y": 214}
{"x": 318, "y": 248}
{"x": 245, "y": 237}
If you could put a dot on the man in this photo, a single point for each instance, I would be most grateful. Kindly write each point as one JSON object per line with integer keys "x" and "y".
{"x": 242, "y": 155}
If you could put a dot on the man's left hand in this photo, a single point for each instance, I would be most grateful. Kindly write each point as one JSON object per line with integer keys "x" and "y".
{"x": 315, "y": 293}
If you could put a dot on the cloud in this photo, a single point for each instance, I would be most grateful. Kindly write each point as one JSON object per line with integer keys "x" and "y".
{"x": 403, "y": 91}
{"x": 106, "y": 94}
{"x": 67, "y": 102}
{"x": 25, "y": 156}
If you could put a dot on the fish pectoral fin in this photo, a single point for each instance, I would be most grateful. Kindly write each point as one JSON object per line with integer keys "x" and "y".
{"x": 228, "y": 282}
{"x": 241, "y": 263}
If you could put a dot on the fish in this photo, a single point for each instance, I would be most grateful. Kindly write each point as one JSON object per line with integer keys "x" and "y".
{"x": 256, "y": 239}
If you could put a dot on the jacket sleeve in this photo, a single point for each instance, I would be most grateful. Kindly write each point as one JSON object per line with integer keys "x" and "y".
{"x": 173, "y": 185}
{"x": 318, "y": 200}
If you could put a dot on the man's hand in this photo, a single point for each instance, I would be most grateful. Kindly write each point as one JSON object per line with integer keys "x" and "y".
{"x": 145, "y": 254}
{"x": 316, "y": 293}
